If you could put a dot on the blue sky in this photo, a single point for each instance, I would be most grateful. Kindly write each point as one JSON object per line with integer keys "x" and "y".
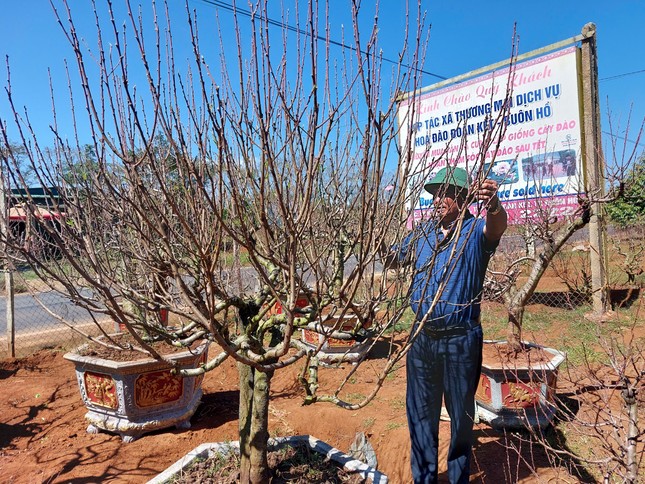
{"x": 465, "y": 35}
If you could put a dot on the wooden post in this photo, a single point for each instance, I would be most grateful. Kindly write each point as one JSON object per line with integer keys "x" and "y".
{"x": 6, "y": 265}
{"x": 11, "y": 327}
{"x": 594, "y": 166}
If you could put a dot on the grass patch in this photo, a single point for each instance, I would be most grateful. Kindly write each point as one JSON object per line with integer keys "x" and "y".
{"x": 355, "y": 397}
{"x": 403, "y": 324}
{"x": 393, "y": 426}
{"x": 392, "y": 373}
{"x": 19, "y": 285}
{"x": 494, "y": 320}
{"x": 398, "y": 403}
{"x": 579, "y": 342}
{"x": 536, "y": 323}
{"x": 564, "y": 329}
{"x": 228, "y": 258}
{"x": 21, "y": 279}
{"x": 368, "y": 423}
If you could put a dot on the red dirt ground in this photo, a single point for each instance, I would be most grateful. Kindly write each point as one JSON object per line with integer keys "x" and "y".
{"x": 43, "y": 438}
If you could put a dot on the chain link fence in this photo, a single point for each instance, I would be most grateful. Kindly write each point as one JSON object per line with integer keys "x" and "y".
{"x": 44, "y": 318}
{"x": 566, "y": 282}
{"x": 564, "y": 291}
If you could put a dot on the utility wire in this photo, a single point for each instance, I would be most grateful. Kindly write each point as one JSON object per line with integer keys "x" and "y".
{"x": 622, "y": 75}
{"x": 291, "y": 28}
{"x": 283, "y": 25}
{"x": 612, "y": 135}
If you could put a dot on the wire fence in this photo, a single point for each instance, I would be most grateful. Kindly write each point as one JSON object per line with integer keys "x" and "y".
{"x": 566, "y": 282}
{"x": 44, "y": 318}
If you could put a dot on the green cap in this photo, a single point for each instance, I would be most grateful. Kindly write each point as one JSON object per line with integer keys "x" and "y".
{"x": 449, "y": 175}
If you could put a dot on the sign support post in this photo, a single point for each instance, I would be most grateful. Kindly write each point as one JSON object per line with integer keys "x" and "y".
{"x": 594, "y": 168}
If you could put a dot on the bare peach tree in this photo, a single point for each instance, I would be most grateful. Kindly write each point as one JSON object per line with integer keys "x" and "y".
{"x": 515, "y": 273}
{"x": 598, "y": 435}
{"x": 609, "y": 386}
{"x": 237, "y": 188}
{"x": 215, "y": 189}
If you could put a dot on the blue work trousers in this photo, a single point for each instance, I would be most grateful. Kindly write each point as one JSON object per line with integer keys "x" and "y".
{"x": 445, "y": 367}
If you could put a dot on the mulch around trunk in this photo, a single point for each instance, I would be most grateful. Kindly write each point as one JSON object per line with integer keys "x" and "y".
{"x": 290, "y": 464}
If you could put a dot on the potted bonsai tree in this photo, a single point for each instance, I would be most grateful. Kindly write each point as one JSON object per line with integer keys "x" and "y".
{"x": 518, "y": 383}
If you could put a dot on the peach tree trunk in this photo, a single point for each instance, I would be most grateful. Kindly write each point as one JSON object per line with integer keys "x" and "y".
{"x": 629, "y": 396}
{"x": 514, "y": 335}
{"x": 518, "y": 299}
{"x": 253, "y": 424}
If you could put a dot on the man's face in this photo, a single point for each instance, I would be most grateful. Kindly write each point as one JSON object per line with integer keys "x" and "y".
{"x": 448, "y": 202}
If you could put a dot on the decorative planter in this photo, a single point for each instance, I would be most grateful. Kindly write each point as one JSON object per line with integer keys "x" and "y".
{"x": 301, "y": 302}
{"x": 205, "y": 451}
{"x": 134, "y": 397}
{"x": 334, "y": 350}
{"x": 511, "y": 396}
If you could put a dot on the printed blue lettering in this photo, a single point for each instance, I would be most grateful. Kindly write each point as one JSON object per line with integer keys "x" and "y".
{"x": 552, "y": 91}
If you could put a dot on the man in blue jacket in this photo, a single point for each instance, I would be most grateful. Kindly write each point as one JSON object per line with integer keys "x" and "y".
{"x": 451, "y": 253}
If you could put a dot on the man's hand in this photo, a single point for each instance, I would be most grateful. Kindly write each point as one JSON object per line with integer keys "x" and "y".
{"x": 486, "y": 193}
{"x": 496, "y": 218}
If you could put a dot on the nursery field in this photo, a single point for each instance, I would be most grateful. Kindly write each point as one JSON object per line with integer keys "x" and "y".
{"x": 43, "y": 438}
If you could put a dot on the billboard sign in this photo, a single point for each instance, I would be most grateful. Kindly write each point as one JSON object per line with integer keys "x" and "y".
{"x": 537, "y": 161}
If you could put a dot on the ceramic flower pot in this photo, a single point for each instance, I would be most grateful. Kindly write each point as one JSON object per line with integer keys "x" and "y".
{"x": 131, "y": 398}
{"x": 513, "y": 395}
{"x": 301, "y": 302}
{"x": 334, "y": 350}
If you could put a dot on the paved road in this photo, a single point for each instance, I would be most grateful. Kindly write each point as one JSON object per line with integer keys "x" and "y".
{"x": 29, "y": 315}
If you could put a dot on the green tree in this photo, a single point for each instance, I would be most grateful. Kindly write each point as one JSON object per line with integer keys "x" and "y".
{"x": 78, "y": 170}
{"x": 19, "y": 157}
{"x": 629, "y": 209}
